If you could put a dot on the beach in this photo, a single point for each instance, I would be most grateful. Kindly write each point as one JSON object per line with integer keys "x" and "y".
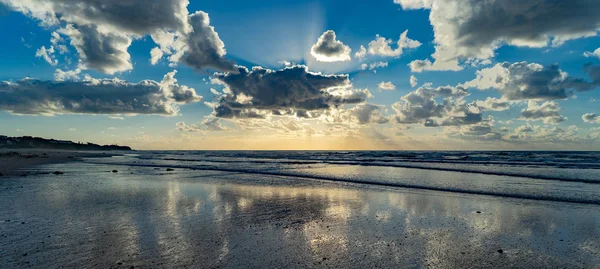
{"x": 13, "y": 160}
{"x": 147, "y": 210}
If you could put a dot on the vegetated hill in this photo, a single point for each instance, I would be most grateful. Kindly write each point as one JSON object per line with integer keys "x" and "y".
{"x": 27, "y": 142}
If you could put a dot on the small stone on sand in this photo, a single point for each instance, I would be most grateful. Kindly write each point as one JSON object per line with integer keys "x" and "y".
{"x": 500, "y": 251}
{"x": 115, "y": 171}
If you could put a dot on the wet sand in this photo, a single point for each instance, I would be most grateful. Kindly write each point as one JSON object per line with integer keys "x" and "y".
{"x": 12, "y": 160}
{"x": 146, "y": 217}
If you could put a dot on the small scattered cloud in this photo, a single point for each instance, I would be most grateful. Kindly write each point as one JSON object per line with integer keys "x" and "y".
{"x": 381, "y": 46}
{"x": 595, "y": 53}
{"x": 591, "y": 118}
{"x": 413, "y": 81}
{"x": 329, "y": 49}
{"x": 388, "y": 86}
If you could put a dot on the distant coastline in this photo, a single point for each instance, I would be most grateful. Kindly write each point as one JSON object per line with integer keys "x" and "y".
{"x": 28, "y": 142}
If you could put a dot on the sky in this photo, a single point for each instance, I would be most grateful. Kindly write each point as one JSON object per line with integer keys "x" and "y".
{"x": 303, "y": 75}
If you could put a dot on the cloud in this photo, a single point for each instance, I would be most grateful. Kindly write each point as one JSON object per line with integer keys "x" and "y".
{"x": 94, "y": 96}
{"x": 209, "y": 124}
{"x": 548, "y": 112}
{"x": 47, "y": 54}
{"x": 413, "y": 81}
{"x": 388, "y": 86}
{"x": 591, "y": 118}
{"x": 328, "y": 49}
{"x": 381, "y": 46}
{"x": 293, "y": 90}
{"x": 204, "y": 48}
{"x": 539, "y": 134}
{"x": 418, "y": 66}
{"x": 375, "y": 65}
{"x": 102, "y": 31}
{"x": 60, "y": 75}
{"x": 414, "y": 4}
{"x": 595, "y": 53}
{"x": 493, "y": 104}
{"x": 102, "y": 51}
{"x": 361, "y": 53}
{"x": 181, "y": 126}
{"x": 354, "y": 118}
{"x": 467, "y": 29}
{"x": 369, "y": 113}
{"x": 483, "y": 131}
{"x": 532, "y": 81}
{"x": 421, "y": 106}
{"x": 178, "y": 93}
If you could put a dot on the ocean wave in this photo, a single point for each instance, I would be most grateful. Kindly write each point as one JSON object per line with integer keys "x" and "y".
{"x": 506, "y": 169}
{"x": 567, "y": 197}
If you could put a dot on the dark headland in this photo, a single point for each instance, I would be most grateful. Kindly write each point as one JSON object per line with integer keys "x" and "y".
{"x": 28, "y": 142}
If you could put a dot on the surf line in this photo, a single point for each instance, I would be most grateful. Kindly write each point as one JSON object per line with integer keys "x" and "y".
{"x": 385, "y": 184}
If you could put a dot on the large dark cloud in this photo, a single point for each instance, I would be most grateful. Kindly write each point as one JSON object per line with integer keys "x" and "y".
{"x": 252, "y": 93}
{"x": 102, "y": 30}
{"x": 530, "y": 81}
{"x": 328, "y": 49}
{"x": 95, "y": 96}
{"x": 204, "y": 47}
{"x": 475, "y": 29}
{"x": 105, "y": 52}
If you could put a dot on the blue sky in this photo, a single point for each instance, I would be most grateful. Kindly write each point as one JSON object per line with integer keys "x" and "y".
{"x": 539, "y": 104}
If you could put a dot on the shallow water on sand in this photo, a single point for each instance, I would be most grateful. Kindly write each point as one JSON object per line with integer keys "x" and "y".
{"x": 145, "y": 216}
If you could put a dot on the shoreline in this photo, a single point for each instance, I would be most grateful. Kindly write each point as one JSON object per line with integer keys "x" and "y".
{"x": 13, "y": 160}
{"x": 146, "y": 217}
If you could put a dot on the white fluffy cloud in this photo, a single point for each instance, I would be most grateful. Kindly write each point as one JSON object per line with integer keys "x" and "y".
{"x": 60, "y": 75}
{"x": 595, "y": 53}
{"x": 388, "y": 86}
{"x": 591, "y": 118}
{"x": 413, "y": 81}
{"x": 493, "y": 104}
{"x": 548, "y": 112}
{"x": 329, "y": 49}
{"x": 95, "y": 96}
{"x": 361, "y": 53}
{"x": 47, "y": 54}
{"x": 102, "y": 31}
{"x": 381, "y": 46}
{"x": 467, "y": 29}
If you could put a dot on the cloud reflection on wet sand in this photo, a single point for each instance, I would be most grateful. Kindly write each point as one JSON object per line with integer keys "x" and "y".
{"x": 204, "y": 219}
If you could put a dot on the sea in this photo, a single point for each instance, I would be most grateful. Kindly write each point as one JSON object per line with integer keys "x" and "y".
{"x": 572, "y": 177}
